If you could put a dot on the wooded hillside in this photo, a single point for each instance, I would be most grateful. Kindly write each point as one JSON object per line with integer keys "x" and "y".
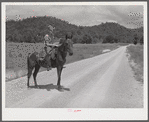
{"x": 33, "y": 29}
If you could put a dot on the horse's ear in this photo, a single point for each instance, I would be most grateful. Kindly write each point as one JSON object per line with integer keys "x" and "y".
{"x": 69, "y": 35}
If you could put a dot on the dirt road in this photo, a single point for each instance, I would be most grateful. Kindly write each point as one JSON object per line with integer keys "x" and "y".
{"x": 104, "y": 81}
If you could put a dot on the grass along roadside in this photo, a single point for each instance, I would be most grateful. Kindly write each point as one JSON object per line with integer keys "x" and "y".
{"x": 16, "y": 56}
{"x": 135, "y": 57}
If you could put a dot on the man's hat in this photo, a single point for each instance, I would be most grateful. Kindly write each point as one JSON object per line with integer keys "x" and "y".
{"x": 51, "y": 27}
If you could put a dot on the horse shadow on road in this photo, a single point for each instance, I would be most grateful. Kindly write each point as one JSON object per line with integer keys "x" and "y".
{"x": 49, "y": 87}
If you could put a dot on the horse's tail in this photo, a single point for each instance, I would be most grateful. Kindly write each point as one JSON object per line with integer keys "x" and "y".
{"x": 28, "y": 60}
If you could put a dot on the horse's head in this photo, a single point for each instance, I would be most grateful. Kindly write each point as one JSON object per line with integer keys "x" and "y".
{"x": 67, "y": 44}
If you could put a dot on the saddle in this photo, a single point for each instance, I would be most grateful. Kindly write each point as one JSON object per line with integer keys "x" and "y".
{"x": 55, "y": 55}
{"x": 52, "y": 53}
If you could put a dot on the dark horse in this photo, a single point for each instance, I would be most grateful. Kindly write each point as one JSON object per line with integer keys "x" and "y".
{"x": 65, "y": 45}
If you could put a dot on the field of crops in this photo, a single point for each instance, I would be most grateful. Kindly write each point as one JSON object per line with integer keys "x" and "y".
{"x": 16, "y": 55}
{"x": 16, "y": 58}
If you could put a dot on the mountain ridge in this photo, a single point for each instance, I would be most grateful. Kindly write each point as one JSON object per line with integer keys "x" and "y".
{"x": 26, "y": 30}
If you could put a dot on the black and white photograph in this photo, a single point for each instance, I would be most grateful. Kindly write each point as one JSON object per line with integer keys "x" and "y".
{"x": 74, "y": 60}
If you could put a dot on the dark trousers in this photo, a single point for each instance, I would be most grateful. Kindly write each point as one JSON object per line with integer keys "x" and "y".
{"x": 48, "y": 60}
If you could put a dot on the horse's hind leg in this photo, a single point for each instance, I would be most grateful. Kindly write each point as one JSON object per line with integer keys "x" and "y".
{"x": 29, "y": 74}
{"x": 37, "y": 67}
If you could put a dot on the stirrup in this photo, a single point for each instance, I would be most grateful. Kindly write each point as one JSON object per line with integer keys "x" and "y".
{"x": 49, "y": 68}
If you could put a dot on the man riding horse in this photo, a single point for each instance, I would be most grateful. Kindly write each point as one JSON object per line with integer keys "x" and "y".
{"x": 48, "y": 42}
{"x": 59, "y": 51}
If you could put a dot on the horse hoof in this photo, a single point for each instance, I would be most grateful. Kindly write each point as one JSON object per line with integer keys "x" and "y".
{"x": 59, "y": 87}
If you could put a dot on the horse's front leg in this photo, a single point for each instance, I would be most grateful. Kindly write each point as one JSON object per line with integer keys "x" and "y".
{"x": 59, "y": 71}
{"x": 37, "y": 67}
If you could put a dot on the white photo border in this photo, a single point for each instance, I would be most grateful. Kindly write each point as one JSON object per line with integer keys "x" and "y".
{"x": 63, "y": 114}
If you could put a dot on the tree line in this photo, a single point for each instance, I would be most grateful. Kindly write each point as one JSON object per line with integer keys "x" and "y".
{"x": 32, "y": 30}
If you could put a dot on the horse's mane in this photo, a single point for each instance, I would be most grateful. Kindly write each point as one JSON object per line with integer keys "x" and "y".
{"x": 62, "y": 40}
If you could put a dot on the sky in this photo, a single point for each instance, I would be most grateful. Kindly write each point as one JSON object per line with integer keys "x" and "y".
{"x": 130, "y": 16}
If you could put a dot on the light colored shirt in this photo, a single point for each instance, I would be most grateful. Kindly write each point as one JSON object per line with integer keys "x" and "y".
{"x": 47, "y": 39}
